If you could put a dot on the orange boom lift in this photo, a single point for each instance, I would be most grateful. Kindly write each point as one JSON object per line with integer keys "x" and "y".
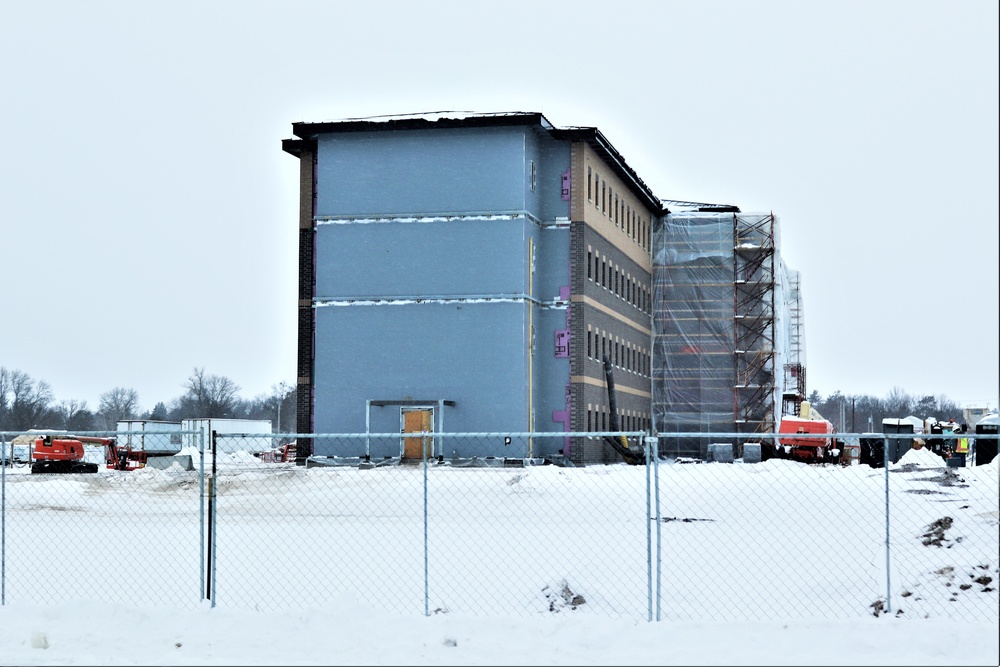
{"x": 65, "y": 454}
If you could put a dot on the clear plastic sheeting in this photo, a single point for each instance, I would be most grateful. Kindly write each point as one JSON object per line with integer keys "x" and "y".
{"x": 722, "y": 327}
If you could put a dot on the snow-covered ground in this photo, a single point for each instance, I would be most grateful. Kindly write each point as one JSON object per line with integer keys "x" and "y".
{"x": 771, "y": 563}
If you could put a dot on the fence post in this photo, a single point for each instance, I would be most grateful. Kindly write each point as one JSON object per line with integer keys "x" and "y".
{"x": 427, "y": 603}
{"x": 649, "y": 539}
{"x": 885, "y": 464}
{"x": 211, "y": 521}
{"x": 654, "y": 446}
{"x": 3, "y": 516}
{"x": 201, "y": 517}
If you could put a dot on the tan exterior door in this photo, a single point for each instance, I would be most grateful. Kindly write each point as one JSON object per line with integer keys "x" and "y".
{"x": 416, "y": 421}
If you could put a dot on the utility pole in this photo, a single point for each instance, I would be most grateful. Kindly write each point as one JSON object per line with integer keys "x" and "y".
{"x": 282, "y": 391}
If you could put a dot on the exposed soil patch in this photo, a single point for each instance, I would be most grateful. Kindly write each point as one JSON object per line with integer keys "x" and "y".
{"x": 935, "y": 532}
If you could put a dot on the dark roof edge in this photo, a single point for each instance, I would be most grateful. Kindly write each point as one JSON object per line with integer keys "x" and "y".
{"x": 296, "y": 146}
{"x": 701, "y": 207}
{"x": 416, "y": 122}
{"x": 599, "y": 143}
{"x": 591, "y": 135}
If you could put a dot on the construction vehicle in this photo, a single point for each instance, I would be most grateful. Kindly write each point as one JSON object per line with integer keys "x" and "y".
{"x": 65, "y": 454}
{"x": 283, "y": 454}
{"x": 807, "y": 449}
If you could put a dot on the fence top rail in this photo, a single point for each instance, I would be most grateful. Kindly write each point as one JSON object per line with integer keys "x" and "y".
{"x": 722, "y": 435}
{"x": 751, "y": 437}
{"x": 69, "y": 434}
{"x": 444, "y": 434}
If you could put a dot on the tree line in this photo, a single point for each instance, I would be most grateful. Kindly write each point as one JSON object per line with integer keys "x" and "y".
{"x": 27, "y": 403}
{"x": 862, "y": 413}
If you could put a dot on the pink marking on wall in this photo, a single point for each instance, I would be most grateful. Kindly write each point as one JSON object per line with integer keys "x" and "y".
{"x": 562, "y": 339}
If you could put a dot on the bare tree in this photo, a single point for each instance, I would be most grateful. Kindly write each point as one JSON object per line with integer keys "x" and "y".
{"x": 4, "y": 396}
{"x": 118, "y": 404}
{"x": 24, "y": 403}
{"x": 74, "y": 415}
{"x": 898, "y": 403}
{"x": 210, "y": 395}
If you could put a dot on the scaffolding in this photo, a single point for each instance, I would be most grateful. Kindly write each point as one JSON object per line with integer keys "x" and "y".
{"x": 717, "y": 343}
{"x": 753, "y": 323}
{"x": 794, "y": 392}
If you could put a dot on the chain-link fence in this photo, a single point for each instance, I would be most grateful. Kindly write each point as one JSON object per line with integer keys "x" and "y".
{"x": 821, "y": 541}
{"x": 425, "y": 523}
{"x": 72, "y": 526}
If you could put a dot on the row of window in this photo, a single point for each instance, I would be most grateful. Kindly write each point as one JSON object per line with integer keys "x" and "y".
{"x": 618, "y": 209}
{"x": 613, "y": 279}
{"x": 621, "y": 354}
{"x": 599, "y": 420}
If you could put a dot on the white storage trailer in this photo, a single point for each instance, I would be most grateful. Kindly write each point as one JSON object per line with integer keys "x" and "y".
{"x": 162, "y": 438}
{"x": 224, "y": 427}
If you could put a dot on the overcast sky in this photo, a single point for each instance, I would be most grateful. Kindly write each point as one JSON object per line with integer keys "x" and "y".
{"x": 148, "y": 217}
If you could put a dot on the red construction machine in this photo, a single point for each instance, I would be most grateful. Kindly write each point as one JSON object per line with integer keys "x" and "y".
{"x": 65, "y": 454}
{"x": 807, "y": 449}
{"x": 283, "y": 454}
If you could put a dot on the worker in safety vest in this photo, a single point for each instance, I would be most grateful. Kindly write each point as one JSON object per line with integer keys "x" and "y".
{"x": 962, "y": 444}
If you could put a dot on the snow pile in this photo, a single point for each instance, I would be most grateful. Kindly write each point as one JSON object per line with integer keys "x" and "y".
{"x": 237, "y": 459}
{"x": 923, "y": 458}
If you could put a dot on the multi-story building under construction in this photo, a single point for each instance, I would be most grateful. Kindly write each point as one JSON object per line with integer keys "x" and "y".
{"x": 471, "y": 272}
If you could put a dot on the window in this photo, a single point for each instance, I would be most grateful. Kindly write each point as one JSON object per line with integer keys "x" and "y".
{"x": 616, "y": 210}
{"x": 589, "y": 195}
{"x": 532, "y": 175}
{"x": 604, "y": 273}
{"x": 597, "y": 201}
{"x": 590, "y": 273}
{"x": 604, "y": 198}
